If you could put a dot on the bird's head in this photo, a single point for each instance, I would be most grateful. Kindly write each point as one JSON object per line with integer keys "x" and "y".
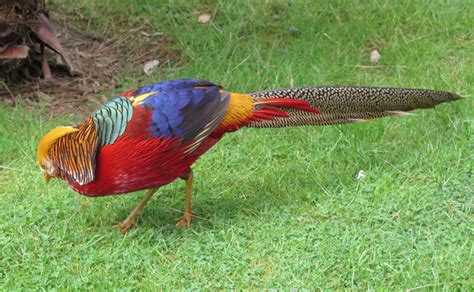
{"x": 45, "y": 162}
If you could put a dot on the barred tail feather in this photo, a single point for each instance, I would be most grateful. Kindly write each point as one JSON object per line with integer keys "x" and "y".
{"x": 331, "y": 105}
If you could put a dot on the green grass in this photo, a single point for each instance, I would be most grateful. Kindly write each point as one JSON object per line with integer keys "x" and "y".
{"x": 281, "y": 208}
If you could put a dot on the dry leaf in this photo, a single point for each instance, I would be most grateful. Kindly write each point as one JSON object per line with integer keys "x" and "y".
{"x": 374, "y": 56}
{"x": 204, "y": 17}
{"x": 44, "y": 31}
{"x": 15, "y": 52}
{"x": 150, "y": 66}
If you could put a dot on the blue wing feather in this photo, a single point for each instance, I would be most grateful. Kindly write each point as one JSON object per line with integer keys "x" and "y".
{"x": 186, "y": 108}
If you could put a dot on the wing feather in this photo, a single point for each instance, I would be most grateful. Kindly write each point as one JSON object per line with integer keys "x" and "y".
{"x": 112, "y": 118}
{"x": 188, "y": 109}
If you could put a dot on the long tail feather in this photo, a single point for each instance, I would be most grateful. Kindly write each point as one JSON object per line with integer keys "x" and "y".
{"x": 338, "y": 105}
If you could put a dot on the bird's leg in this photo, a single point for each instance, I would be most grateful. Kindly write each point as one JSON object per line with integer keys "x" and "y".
{"x": 130, "y": 221}
{"x": 188, "y": 212}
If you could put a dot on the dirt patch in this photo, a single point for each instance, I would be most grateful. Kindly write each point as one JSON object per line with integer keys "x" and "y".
{"x": 98, "y": 62}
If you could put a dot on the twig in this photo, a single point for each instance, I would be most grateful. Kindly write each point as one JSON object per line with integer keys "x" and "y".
{"x": 192, "y": 215}
{"x": 376, "y": 66}
{"x": 9, "y": 91}
{"x": 16, "y": 169}
{"x": 437, "y": 284}
{"x": 426, "y": 36}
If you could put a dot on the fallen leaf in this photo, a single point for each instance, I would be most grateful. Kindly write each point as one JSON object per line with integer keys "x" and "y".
{"x": 204, "y": 17}
{"x": 5, "y": 31}
{"x": 150, "y": 66}
{"x": 15, "y": 52}
{"x": 44, "y": 31}
{"x": 374, "y": 56}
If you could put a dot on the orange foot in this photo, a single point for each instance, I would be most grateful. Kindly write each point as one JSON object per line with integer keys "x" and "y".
{"x": 185, "y": 221}
{"x": 125, "y": 225}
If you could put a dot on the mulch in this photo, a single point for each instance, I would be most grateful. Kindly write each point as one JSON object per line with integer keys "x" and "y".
{"x": 98, "y": 64}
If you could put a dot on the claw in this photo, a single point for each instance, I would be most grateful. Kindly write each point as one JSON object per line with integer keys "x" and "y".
{"x": 125, "y": 226}
{"x": 130, "y": 221}
{"x": 185, "y": 221}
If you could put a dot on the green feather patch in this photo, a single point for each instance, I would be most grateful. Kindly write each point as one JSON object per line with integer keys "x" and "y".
{"x": 112, "y": 118}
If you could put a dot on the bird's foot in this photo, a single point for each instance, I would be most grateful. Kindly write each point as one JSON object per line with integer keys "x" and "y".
{"x": 125, "y": 225}
{"x": 185, "y": 221}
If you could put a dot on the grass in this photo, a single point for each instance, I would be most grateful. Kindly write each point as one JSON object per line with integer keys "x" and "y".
{"x": 280, "y": 208}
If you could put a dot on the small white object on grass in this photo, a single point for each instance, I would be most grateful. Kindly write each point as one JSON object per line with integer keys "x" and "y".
{"x": 204, "y": 17}
{"x": 374, "y": 56}
{"x": 360, "y": 175}
{"x": 150, "y": 66}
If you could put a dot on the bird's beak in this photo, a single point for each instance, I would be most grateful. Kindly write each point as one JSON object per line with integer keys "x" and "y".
{"x": 46, "y": 177}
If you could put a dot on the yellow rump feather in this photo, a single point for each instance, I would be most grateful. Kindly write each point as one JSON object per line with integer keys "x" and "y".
{"x": 239, "y": 110}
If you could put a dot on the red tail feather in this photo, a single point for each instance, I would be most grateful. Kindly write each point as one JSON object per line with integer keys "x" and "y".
{"x": 289, "y": 103}
{"x": 268, "y": 108}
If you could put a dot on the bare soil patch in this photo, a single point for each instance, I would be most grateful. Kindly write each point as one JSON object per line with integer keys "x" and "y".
{"x": 99, "y": 62}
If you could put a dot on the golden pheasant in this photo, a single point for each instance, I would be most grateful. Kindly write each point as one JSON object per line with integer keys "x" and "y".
{"x": 150, "y": 136}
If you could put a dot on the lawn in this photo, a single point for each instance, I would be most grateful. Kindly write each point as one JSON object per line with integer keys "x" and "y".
{"x": 278, "y": 208}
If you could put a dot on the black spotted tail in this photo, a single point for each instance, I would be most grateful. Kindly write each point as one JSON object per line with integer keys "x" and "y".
{"x": 331, "y": 105}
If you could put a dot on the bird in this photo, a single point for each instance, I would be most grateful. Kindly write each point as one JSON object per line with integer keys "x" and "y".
{"x": 150, "y": 136}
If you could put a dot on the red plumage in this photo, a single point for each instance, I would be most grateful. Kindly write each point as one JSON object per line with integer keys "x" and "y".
{"x": 133, "y": 164}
